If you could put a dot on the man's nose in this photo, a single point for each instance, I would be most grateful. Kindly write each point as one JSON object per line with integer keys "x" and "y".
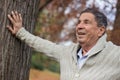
{"x": 80, "y": 26}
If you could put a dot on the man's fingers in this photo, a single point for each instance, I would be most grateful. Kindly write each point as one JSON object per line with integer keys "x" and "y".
{"x": 11, "y": 29}
{"x": 11, "y": 19}
{"x": 20, "y": 17}
{"x": 17, "y": 15}
{"x": 14, "y": 16}
{"x": 16, "y": 20}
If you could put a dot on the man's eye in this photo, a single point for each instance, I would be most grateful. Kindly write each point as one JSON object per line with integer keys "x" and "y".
{"x": 86, "y": 22}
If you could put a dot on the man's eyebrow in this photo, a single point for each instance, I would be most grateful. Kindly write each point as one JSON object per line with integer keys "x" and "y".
{"x": 86, "y": 20}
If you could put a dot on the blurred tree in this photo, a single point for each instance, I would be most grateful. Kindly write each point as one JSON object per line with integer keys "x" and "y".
{"x": 58, "y": 18}
{"x": 115, "y": 34}
{"x": 14, "y": 54}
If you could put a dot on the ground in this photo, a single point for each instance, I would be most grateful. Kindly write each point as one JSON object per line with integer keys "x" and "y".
{"x": 43, "y": 75}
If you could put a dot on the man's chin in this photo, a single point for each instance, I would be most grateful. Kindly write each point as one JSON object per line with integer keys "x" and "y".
{"x": 81, "y": 41}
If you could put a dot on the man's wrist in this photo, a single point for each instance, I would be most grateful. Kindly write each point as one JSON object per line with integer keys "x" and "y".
{"x": 19, "y": 31}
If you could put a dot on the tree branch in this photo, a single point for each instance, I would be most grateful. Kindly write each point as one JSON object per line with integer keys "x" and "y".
{"x": 45, "y": 4}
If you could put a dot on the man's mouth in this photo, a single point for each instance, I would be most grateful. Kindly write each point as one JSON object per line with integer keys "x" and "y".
{"x": 81, "y": 33}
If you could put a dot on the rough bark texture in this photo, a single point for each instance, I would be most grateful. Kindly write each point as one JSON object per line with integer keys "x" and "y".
{"x": 14, "y": 54}
{"x": 115, "y": 35}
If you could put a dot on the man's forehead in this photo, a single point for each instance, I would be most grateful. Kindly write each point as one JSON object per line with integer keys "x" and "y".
{"x": 87, "y": 16}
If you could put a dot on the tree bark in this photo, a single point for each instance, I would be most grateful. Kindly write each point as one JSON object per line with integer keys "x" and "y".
{"x": 115, "y": 35}
{"x": 14, "y": 54}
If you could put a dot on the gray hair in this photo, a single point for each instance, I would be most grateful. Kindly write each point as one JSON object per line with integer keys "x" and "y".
{"x": 100, "y": 18}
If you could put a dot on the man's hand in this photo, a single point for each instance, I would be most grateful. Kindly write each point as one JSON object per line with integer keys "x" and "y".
{"x": 16, "y": 21}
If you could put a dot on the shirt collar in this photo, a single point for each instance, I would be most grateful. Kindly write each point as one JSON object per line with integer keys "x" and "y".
{"x": 80, "y": 53}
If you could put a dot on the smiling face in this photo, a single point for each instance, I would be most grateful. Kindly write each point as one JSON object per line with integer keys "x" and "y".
{"x": 87, "y": 31}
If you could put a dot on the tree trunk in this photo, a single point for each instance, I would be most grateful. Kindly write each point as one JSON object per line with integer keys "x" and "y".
{"x": 14, "y": 54}
{"x": 115, "y": 35}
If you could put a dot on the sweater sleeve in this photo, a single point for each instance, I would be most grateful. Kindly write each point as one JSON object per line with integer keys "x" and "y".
{"x": 41, "y": 45}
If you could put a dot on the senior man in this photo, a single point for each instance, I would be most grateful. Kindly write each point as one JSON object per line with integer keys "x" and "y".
{"x": 91, "y": 58}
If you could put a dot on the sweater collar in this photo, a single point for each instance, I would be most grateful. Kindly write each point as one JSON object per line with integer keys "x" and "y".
{"x": 97, "y": 47}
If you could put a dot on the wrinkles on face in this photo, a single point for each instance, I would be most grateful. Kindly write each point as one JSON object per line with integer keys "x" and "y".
{"x": 87, "y": 30}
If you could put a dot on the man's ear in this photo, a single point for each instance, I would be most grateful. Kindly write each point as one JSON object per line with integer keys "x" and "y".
{"x": 101, "y": 31}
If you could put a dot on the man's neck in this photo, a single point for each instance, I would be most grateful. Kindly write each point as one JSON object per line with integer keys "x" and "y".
{"x": 86, "y": 48}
